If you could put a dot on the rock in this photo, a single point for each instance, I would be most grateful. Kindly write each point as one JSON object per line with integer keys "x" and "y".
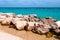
{"x": 2, "y": 18}
{"x": 40, "y": 29}
{"x": 19, "y": 24}
{"x": 58, "y": 23}
{"x": 43, "y": 30}
{"x": 47, "y": 26}
{"x": 6, "y": 21}
{"x": 30, "y": 26}
{"x": 57, "y": 30}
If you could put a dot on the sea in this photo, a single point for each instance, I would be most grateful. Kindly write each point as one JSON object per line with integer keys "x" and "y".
{"x": 41, "y": 12}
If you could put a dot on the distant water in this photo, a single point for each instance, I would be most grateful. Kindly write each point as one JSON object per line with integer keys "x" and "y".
{"x": 41, "y": 12}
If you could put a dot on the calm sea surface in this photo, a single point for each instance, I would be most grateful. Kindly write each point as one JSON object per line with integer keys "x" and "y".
{"x": 41, "y": 12}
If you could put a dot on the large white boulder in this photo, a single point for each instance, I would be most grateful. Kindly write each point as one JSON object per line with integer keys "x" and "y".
{"x": 3, "y": 15}
{"x": 30, "y": 26}
{"x": 6, "y": 21}
{"x": 2, "y": 18}
{"x": 58, "y": 23}
{"x": 20, "y": 24}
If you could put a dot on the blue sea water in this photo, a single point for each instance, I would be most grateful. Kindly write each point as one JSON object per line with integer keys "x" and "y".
{"x": 41, "y": 12}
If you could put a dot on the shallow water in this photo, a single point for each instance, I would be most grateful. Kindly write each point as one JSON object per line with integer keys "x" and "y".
{"x": 41, "y": 12}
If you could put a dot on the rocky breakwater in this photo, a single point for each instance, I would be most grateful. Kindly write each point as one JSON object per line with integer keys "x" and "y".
{"x": 47, "y": 26}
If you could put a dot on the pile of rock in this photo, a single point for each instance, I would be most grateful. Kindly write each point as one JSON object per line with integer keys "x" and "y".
{"x": 31, "y": 23}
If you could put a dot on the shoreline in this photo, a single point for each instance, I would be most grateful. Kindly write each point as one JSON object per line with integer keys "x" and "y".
{"x": 27, "y": 35}
{"x": 29, "y": 26}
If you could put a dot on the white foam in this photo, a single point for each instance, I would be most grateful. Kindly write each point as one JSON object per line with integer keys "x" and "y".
{"x": 7, "y": 13}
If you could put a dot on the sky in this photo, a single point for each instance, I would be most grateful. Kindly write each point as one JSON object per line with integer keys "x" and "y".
{"x": 29, "y": 3}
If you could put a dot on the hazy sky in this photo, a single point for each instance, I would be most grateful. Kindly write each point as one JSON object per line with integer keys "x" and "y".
{"x": 29, "y": 3}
